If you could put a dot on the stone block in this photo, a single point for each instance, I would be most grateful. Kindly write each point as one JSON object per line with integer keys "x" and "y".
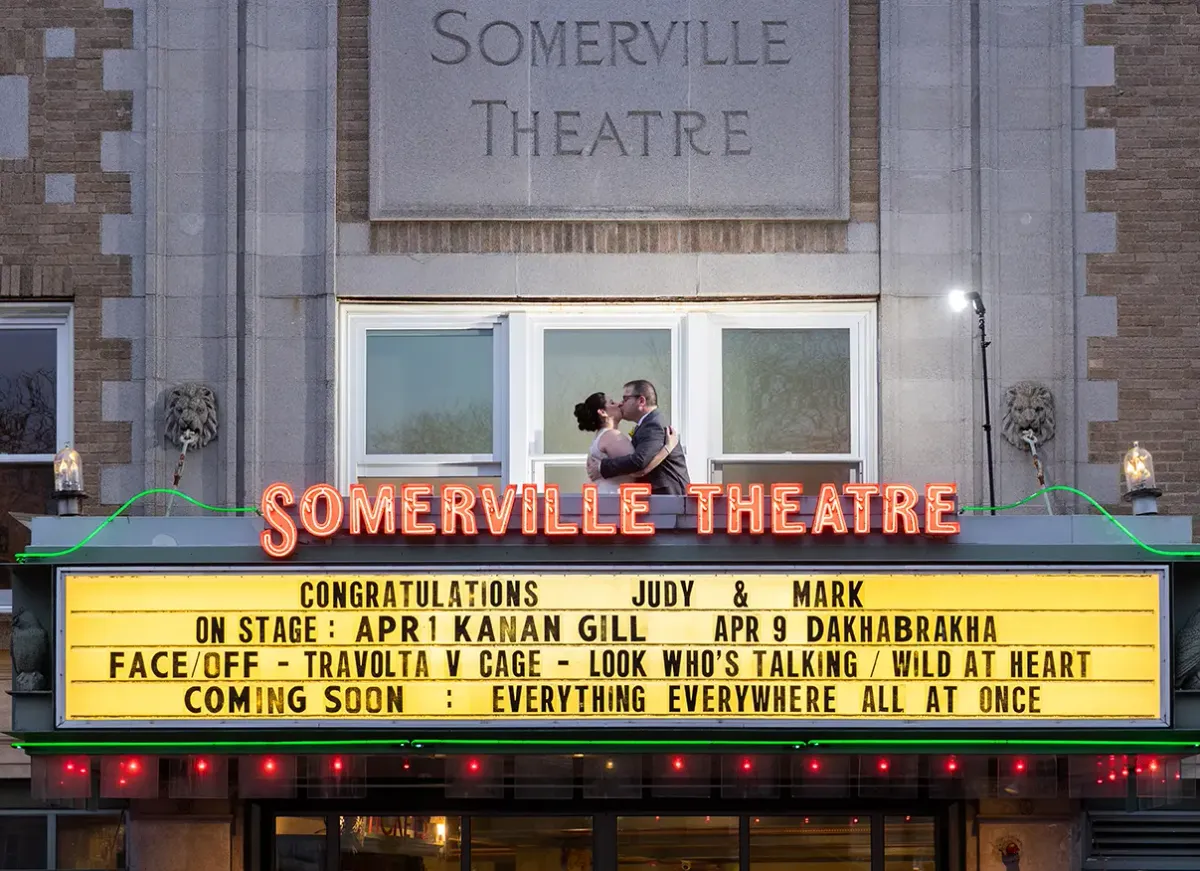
{"x": 14, "y": 117}
{"x": 124, "y": 70}
{"x": 60, "y": 188}
{"x": 59, "y": 42}
{"x": 1093, "y": 66}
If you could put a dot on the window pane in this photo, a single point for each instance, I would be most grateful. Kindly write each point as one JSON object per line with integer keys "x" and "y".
{"x": 299, "y": 844}
{"x": 23, "y": 490}
{"x": 90, "y": 843}
{"x": 825, "y": 843}
{"x": 811, "y": 475}
{"x": 429, "y": 392}
{"x": 531, "y": 843}
{"x": 22, "y": 843}
{"x": 570, "y": 479}
{"x": 401, "y": 843}
{"x": 908, "y": 844}
{"x": 654, "y": 843}
{"x": 28, "y": 401}
{"x": 785, "y": 391}
{"x": 579, "y": 363}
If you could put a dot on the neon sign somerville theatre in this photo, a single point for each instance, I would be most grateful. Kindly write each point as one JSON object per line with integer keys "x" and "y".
{"x": 324, "y": 512}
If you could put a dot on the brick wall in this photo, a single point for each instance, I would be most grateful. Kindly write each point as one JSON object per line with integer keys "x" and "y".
{"x": 1154, "y": 191}
{"x": 52, "y": 251}
{"x": 624, "y": 237}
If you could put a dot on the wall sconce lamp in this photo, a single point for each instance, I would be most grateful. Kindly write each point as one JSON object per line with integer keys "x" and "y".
{"x": 1140, "y": 487}
{"x": 68, "y": 482}
{"x": 959, "y": 300}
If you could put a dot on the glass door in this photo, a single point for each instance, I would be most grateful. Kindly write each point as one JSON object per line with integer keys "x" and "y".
{"x": 490, "y": 841}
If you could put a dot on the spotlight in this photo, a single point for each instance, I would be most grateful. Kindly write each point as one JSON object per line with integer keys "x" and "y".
{"x": 960, "y": 299}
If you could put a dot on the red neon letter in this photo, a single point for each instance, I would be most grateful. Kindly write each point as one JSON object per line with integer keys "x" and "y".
{"x": 937, "y": 506}
{"x": 704, "y": 493}
{"x": 591, "y": 513}
{"x": 335, "y": 511}
{"x": 497, "y": 512}
{"x": 553, "y": 521}
{"x": 458, "y": 503}
{"x": 785, "y": 501}
{"x": 414, "y": 501}
{"x": 752, "y": 505}
{"x": 862, "y": 494}
{"x": 899, "y": 503}
{"x": 274, "y": 499}
{"x": 382, "y": 515}
{"x": 829, "y": 511}
{"x": 528, "y": 509}
{"x": 633, "y": 504}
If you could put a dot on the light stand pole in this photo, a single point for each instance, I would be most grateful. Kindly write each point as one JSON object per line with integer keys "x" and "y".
{"x": 959, "y": 301}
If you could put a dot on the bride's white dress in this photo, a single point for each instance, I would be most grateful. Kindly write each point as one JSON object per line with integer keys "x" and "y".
{"x": 604, "y": 485}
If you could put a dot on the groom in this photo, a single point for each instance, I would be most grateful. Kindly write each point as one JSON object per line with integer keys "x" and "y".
{"x": 670, "y": 478}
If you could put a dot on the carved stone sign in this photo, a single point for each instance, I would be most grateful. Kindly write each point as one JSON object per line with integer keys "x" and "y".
{"x": 620, "y": 109}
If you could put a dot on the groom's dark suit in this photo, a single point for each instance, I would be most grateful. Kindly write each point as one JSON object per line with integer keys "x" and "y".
{"x": 671, "y": 475}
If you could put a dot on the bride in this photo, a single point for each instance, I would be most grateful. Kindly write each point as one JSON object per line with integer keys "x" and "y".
{"x": 600, "y": 415}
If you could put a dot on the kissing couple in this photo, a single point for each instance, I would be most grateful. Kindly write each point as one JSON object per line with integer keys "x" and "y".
{"x": 652, "y": 453}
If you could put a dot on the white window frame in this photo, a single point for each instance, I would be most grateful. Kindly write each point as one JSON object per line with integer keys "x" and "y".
{"x": 860, "y": 322}
{"x": 59, "y": 317}
{"x": 354, "y": 461}
{"x": 518, "y": 404}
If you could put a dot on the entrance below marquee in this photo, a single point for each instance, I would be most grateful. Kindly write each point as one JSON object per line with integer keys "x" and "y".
{"x": 832, "y": 841}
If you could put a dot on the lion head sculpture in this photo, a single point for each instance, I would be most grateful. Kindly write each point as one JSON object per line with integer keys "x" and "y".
{"x": 192, "y": 408}
{"x": 1028, "y": 406}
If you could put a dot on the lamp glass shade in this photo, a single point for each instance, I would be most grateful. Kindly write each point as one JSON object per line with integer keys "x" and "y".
{"x": 68, "y": 471}
{"x": 1139, "y": 469}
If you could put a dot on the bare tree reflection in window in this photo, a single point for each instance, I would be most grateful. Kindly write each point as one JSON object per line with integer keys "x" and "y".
{"x": 465, "y": 430}
{"x": 28, "y": 422}
{"x": 786, "y": 391}
{"x": 430, "y": 392}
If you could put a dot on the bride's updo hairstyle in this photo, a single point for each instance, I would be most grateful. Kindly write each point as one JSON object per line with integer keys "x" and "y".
{"x": 588, "y": 412}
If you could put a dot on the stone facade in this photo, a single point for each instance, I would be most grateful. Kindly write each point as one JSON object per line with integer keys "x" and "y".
{"x": 133, "y": 203}
{"x": 58, "y": 203}
{"x": 1149, "y": 111}
{"x": 606, "y": 237}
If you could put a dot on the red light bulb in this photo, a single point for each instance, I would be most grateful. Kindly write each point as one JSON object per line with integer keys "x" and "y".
{"x": 121, "y": 782}
{"x": 70, "y": 766}
{"x": 814, "y": 765}
{"x": 1154, "y": 765}
{"x": 269, "y": 765}
{"x": 952, "y": 765}
{"x": 473, "y": 766}
{"x": 883, "y": 765}
{"x": 202, "y": 765}
{"x": 747, "y": 765}
{"x": 406, "y": 765}
{"x": 677, "y": 763}
{"x": 1019, "y": 766}
{"x": 134, "y": 766}
{"x": 1112, "y": 775}
{"x": 337, "y": 764}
